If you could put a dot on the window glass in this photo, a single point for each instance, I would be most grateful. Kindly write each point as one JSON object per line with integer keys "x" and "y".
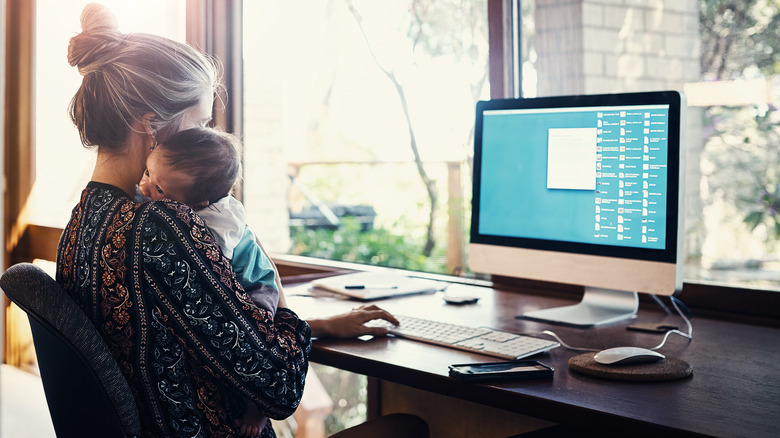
{"x": 358, "y": 127}
{"x": 721, "y": 54}
{"x": 63, "y": 166}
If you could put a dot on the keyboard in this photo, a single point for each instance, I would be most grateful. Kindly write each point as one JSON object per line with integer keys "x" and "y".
{"x": 480, "y": 340}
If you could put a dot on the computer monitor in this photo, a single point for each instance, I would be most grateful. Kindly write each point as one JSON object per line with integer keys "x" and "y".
{"x": 584, "y": 190}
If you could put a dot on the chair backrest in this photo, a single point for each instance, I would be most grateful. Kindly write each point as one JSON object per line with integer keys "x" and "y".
{"x": 87, "y": 394}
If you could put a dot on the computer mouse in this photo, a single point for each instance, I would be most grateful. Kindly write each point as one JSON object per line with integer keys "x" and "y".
{"x": 627, "y": 356}
{"x": 460, "y": 299}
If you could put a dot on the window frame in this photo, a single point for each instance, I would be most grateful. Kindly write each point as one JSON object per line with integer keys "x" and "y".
{"x": 216, "y": 28}
{"x": 213, "y": 26}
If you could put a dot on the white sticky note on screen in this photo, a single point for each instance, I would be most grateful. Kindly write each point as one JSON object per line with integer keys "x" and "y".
{"x": 571, "y": 158}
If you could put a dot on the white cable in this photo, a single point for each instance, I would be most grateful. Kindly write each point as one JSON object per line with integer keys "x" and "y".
{"x": 688, "y": 335}
{"x": 565, "y": 345}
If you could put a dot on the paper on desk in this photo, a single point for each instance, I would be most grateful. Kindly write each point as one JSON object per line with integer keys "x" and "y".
{"x": 375, "y": 285}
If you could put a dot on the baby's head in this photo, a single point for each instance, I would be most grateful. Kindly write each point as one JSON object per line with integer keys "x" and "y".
{"x": 196, "y": 166}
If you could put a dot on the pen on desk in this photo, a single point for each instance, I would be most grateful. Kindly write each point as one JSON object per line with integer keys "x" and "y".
{"x": 370, "y": 286}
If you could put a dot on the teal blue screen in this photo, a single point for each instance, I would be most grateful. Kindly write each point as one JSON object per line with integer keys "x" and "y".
{"x": 541, "y": 179}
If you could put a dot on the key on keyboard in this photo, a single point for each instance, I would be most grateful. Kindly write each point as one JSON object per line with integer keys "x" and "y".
{"x": 474, "y": 339}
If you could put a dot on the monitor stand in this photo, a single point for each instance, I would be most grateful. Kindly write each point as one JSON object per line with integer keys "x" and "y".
{"x": 598, "y": 307}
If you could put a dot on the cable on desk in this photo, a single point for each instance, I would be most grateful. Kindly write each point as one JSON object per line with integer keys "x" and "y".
{"x": 564, "y": 344}
{"x": 688, "y": 336}
{"x": 675, "y": 303}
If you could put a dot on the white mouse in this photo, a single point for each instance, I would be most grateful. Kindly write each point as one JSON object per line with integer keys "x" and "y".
{"x": 626, "y": 356}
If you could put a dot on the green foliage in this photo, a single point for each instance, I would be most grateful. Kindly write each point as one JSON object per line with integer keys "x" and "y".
{"x": 449, "y": 27}
{"x": 378, "y": 247}
{"x": 742, "y": 153}
{"x": 739, "y": 38}
{"x": 742, "y": 149}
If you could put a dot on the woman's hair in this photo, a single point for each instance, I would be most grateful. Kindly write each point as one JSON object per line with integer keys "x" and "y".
{"x": 126, "y": 76}
{"x": 209, "y": 158}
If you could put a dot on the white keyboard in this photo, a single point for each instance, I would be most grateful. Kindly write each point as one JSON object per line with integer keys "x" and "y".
{"x": 474, "y": 339}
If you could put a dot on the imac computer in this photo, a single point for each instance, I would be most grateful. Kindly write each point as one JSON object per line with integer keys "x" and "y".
{"x": 584, "y": 190}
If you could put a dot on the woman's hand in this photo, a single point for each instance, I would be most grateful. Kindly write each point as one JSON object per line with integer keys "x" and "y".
{"x": 352, "y": 323}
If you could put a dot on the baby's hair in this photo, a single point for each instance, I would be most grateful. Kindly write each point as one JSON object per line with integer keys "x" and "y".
{"x": 128, "y": 76}
{"x": 209, "y": 158}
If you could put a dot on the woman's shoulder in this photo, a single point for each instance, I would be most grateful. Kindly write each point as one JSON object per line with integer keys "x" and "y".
{"x": 160, "y": 230}
{"x": 175, "y": 217}
{"x": 171, "y": 210}
{"x": 179, "y": 219}
{"x": 152, "y": 210}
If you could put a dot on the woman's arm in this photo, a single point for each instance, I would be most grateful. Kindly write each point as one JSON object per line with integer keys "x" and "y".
{"x": 261, "y": 357}
{"x": 342, "y": 326}
{"x": 351, "y": 324}
{"x": 347, "y": 325}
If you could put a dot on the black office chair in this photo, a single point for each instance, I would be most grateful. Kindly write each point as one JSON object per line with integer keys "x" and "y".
{"x": 86, "y": 391}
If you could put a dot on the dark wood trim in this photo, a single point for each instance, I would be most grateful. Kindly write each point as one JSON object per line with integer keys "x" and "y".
{"x": 374, "y": 401}
{"x": 750, "y": 306}
{"x": 726, "y": 303}
{"x": 37, "y": 242}
{"x": 290, "y": 266}
{"x": 215, "y": 27}
{"x": 19, "y": 135}
{"x": 499, "y": 48}
{"x": 211, "y": 28}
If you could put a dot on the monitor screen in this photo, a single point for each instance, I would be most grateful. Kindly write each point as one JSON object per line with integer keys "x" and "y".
{"x": 580, "y": 189}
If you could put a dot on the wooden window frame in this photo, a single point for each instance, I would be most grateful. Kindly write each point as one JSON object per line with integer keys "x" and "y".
{"x": 215, "y": 27}
{"x": 738, "y": 304}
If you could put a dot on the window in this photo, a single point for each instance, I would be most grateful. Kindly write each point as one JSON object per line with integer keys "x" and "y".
{"x": 40, "y": 136}
{"x": 740, "y": 155}
{"x": 358, "y": 123}
{"x": 63, "y": 166}
{"x": 720, "y": 54}
{"x": 328, "y": 141}
{"x": 325, "y": 121}
{"x": 323, "y": 115}
{"x": 358, "y": 119}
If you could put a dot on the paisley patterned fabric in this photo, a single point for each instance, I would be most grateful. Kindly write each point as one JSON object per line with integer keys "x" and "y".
{"x": 189, "y": 340}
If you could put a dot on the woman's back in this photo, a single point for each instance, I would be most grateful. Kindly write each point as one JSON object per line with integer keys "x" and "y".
{"x": 152, "y": 279}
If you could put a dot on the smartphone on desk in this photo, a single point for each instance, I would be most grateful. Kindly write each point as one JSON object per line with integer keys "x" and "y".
{"x": 494, "y": 371}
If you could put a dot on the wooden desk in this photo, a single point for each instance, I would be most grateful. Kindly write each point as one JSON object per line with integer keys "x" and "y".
{"x": 734, "y": 390}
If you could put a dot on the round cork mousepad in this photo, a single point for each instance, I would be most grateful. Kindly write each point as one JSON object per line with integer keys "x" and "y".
{"x": 665, "y": 369}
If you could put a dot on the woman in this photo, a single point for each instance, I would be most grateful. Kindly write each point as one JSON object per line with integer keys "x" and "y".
{"x": 150, "y": 275}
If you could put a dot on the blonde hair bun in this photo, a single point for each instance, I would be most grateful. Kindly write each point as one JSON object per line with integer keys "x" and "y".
{"x": 97, "y": 41}
{"x": 96, "y": 16}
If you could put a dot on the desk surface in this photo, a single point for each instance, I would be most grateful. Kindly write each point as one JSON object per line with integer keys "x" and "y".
{"x": 734, "y": 390}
